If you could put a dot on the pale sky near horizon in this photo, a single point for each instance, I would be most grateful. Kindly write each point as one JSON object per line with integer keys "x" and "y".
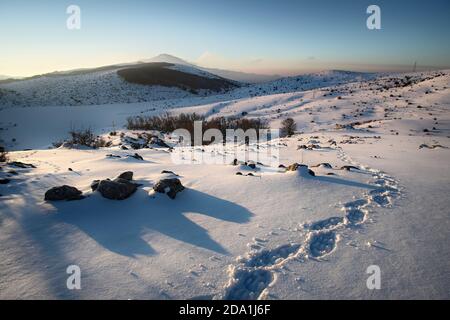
{"x": 260, "y": 36}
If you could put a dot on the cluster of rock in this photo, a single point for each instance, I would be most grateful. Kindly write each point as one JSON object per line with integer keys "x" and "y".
{"x": 144, "y": 140}
{"x": 119, "y": 188}
{"x": 309, "y": 147}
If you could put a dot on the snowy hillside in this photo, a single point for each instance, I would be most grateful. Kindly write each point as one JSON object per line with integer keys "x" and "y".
{"x": 227, "y": 74}
{"x": 101, "y": 86}
{"x": 372, "y": 190}
{"x": 105, "y": 86}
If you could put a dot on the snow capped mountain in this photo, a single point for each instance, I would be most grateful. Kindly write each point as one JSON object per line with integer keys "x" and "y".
{"x": 169, "y": 59}
{"x": 227, "y": 74}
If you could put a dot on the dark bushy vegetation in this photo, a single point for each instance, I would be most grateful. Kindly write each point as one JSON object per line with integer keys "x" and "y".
{"x": 288, "y": 127}
{"x": 84, "y": 138}
{"x": 3, "y": 155}
{"x": 167, "y": 123}
{"x": 159, "y": 73}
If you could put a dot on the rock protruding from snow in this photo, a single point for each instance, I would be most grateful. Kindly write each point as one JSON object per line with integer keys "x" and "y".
{"x": 302, "y": 169}
{"x": 65, "y": 192}
{"x": 128, "y": 175}
{"x": 5, "y": 181}
{"x": 118, "y": 189}
{"x": 170, "y": 186}
{"x": 22, "y": 165}
{"x": 136, "y": 156}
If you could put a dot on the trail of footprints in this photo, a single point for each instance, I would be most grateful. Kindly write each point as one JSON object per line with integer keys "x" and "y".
{"x": 257, "y": 271}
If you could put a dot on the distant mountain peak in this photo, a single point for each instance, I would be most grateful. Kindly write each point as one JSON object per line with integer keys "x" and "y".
{"x": 164, "y": 57}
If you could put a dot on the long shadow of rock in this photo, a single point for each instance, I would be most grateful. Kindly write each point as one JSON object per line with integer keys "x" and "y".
{"x": 118, "y": 225}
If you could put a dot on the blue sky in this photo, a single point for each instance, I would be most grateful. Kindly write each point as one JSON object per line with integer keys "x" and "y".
{"x": 261, "y": 36}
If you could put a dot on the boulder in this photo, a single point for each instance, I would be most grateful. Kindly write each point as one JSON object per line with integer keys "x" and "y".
{"x": 169, "y": 172}
{"x": 119, "y": 189}
{"x": 293, "y": 167}
{"x": 127, "y": 175}
{"x": 251, "y": 165}
{"x": 94, "y": 184}
{"x": 169, "y": 186}
{"x": 302, "y": 168}
{"x": 63, "y": 193}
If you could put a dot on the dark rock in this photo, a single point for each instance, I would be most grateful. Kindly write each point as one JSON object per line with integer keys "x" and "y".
{"x": 4, "y": 181}
{"x": 282, "y": 166}
{"x": 252, "y": 165}
{"x": 136, "y": 146}
{"x": 296, "y": 166}
{"x": 348, "y": 168}
{"x": 112, "y": 156}
{"x": 119, "y": 189}
{"x": 21, "y": 165}
{"x": 169, "y": 172}
{"x": 63, "y": 193}
{"x": 239, "y": 173}
{"x": 324, "y": 165}
{"x": 170, "y": 186}
{"x": 136, "y": 156}
{"x": 123, "y": 147}
{"x": 158, "y": 142}
{"x": 293, "y": 167}
{"x": 94, "y": 184}
{"x": 128, "y": 175}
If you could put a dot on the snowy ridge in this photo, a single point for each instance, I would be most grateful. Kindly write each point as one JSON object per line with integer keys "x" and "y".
{"x": 106, "y": 87}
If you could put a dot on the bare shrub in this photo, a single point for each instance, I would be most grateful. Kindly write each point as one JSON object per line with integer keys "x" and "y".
{"x": 288, "y": 127}
{"x": 87, "y": 138}
{"x": 3, "y": 154}
{"x": 167, "y": 123}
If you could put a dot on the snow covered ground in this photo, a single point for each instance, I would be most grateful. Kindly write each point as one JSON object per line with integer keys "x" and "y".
{"x": 274, "y": 234}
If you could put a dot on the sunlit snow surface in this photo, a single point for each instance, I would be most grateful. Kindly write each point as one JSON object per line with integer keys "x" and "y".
{"x": 269, "y": 235}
